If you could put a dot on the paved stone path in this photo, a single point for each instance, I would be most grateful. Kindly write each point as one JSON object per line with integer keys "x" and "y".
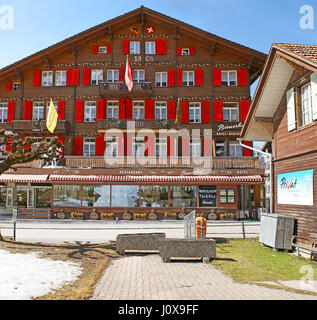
{"x": 137, "y": 277}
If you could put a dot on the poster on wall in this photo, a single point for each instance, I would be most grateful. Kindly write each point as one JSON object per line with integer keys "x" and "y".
{"x": 208, "y": 196}
{"x": 296, "y": 188}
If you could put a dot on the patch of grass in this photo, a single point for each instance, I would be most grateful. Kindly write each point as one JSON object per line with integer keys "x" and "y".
{"x": 247, "y": 261}
{"x": 93, "y": 258}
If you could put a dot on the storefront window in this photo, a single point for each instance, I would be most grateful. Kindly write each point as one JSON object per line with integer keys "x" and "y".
{"x": 68, "y": 196}
{"x": 22, "y": 197}
{"x": 154, "y": 196}
{"x": 227, "y": 196}
{"x": 43, "y": 197}
{"x": 184, "y": 196}
{"x": 125, "y": 196}
{"x": 96, "y": 196}
{"x": 3, "y": 196}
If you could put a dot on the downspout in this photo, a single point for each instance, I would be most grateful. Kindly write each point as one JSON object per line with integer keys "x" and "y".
{"x": 266, "y": 154}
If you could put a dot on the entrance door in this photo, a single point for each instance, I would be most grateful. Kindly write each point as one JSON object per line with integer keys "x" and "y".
{"x": 244, "y": 202}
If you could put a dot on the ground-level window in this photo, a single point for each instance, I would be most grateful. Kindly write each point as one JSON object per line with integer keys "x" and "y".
{"x": 154, "y": 196}
{"x": 3, "y": 196}
{"x": 184, "y": 196}
{"x": 125, "y": 196}
{"x": 43, "y": 197}
{"x": 22, "y": 196}
{"x": 226, "y": 196}
{"x": 67, "y": 196}
{"x": 95, "y": 196}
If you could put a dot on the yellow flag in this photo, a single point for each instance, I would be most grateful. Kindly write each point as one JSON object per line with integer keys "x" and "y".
{"x": 177, "y": 111}
{"x": 52, "y": 117}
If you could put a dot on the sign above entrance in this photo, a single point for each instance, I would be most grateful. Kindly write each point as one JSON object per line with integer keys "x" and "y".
{"x": 208, "y": 196}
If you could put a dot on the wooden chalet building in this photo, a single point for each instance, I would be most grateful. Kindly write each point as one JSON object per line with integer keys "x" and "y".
{"x": 284, "y": 113}
{"x": 185, "y": 80}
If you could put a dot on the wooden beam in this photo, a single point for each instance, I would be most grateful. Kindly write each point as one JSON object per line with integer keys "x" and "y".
{"x": 74, "y": 50}
{"x": 213, "y": 48}
{"x": 295, "y": 66}
{"x": 110, "y": 32}
{"x": 19, "y": 74}
{"x": 47, "y": 61}
{"x": 268, "y": 126}
{"x": 263, "y": 119}
{"x": 256, "y": 74}
{"x": 249, "y": 63}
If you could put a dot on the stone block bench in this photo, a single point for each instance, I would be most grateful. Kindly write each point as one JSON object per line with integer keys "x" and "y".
{"x": 139, "y": 242}
{"x": 182, "y": 248}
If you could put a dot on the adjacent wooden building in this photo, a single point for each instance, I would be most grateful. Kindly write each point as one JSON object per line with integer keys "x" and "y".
{"x": 186, "y": 82}
{"x": 284, "y": 113}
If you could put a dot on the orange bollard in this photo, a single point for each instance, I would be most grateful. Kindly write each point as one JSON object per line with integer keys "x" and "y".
{"x": 201, "y": 224}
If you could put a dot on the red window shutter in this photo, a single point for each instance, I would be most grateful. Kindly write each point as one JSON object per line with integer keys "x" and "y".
{"x": 79, "y": 111}
{"x": 206, "y": 147}
{"x": 101, "y": 109}
{"x": 61, "y": 109}
{"x": 78, "y": 146}
{"x": 121, "y": 74}
{"x": 121, "y": 109}
{"x": 27, "y": 147}
{"x": 86, "y": 76}
{"x": 109, "y": 48}
{"x": 205, "y": 111}
{"x": 199, "y": 75}
{"x": 185, "y": 146}
{"x": 75, "y": 77}
{"x": 171, "y": 110}
{"x": 100, "y": 146}
{"x": 9, "y": 146}
{"x": 149, "y": 110}
{"x": 121, "y": 146}
{"x": 127, "y": 146}
{"x": 179, "y": 51}
{"x": 247, "y": 152}
{"x": 218, "y": 111}
{"x": 179, "y": 78}
{"x": 95, "y": 49}
{"x": 185, "y": 111}
{"x": 192, "y": 51}
{"x": 242, "y": 77}
{"x": 37, "y": 78}
{"x": 244, "y": 109}
{"x": 126, "y": 46}
{"x": 9, "y": 85}
{"x": 170, "y": 146}
{"x": 128, "y": 109}
{"x": 161, "y": 47}
{"x": 11, "y": 107}
{"x": 69, "y": 77}
{"x": 150, "y": 146}
{"x": 216, "y": 77}
{"x": 171, "y": 78}
{"x": 61, "y": 141}
{"x": 27, "y": 110}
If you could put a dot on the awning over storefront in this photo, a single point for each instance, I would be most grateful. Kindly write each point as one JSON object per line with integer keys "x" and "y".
{"x": 156, "y": 179}
{"x": 23, "y": 178}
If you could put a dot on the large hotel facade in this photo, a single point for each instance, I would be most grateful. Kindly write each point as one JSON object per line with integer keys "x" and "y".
{"x": 146, "y": 153}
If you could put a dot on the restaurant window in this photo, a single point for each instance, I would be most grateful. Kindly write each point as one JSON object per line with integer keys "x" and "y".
{"x": 230, "y": 112}
{"x": 47, "y": 78}
{"x": 90, "y": 111}
{"x": 89, "y": 147}
{"x": 60, "y": 78}
{"x": 150, "y": 47}
{"x": 183, "y": 196}
{"x": 38, "y": 111}
{"x": 226, "y": 196}
{"x": 67, "y": 196}
{"x": 306, "y": 105}
{"x": 113, "y": 75}
{"x": 138, "y": 110}
{"x": 138, "y": 75}
{"x": 161, "y": 79}
{"x": 22, "y": 196}
{"x": 160, "y": 110}
{"x": 229, "y": 78}
{"x": 235, "y": 149}
{"x": 96, "y": 77}
{"x": 112, "y": 147}
{"x": 154, "y": 196}
{"x": 43, "y": 197}
{"x": 161, "y": 147}
{"x": 188, "y": 78}
{"x": 96, "y": 196}
{"x": 3, "y": 112}
{"x": 220, "y": 148}
{"x": 125, "y": 196}
{"x": 3, "y": 196}
{"x": 113, "y": 110}
{"x": 10, "y": 197}
{"x": 134, "y": 47}
{"x": 194, "y": 112}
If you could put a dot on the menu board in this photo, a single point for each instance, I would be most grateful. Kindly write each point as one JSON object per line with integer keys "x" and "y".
{"x": 208, "y": 196}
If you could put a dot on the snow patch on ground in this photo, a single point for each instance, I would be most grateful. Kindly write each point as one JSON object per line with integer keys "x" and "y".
{"x": 23, "y": 276}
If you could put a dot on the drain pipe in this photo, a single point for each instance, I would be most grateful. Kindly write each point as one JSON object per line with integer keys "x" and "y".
{"x": 266, "y": 154}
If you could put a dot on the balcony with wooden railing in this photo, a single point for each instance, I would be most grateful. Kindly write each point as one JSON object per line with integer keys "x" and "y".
{"x": 120, "y": 89}
{"x": 39, "y": 127}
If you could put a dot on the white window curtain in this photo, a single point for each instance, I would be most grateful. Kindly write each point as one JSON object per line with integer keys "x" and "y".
{"x": 291, "y": 119}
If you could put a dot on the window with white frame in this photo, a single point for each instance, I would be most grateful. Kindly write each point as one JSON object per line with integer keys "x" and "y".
{"x": 113, "y": 75}
{"x": 96, "y": 77}
{"x": 195, "y": 148}
{"x": 103, "y": 50}
{"x": 161, "y": 147}
{"x": 36, "y": 143}
{"x": 89, "y": 147}
{"x": 48, "y": 104}
{"x": 138, "y": 147}
{"x": 306, "y": 105}
{"x": 113, "y": 110}
{"x": 150, "y": 47}
{"x": 160, "y": 110}
{"x": 4, "y": 112}
{"x": 195, "y": 112}
{"x": 38, "y": 111}
{"x": 161, "y": 79}
{"x": 112, "y": 147}
{"x": 47, "y": 78}
{"x": 185, "y": 52}
{"x": 134, "y": 47}
{"x": 220, "y": 148}
{"x": 229, "y": 78}
{"x": 138, "y": 110}
{"x": 235, "y": 149}
{"x": 16, "y": 86}
{"x": 230, "y": 111}
{"x": 188, "y": 78}
{"x": 138, "y": 75}
{"x": 60, "y": 78}
{"x": 90, "y": 111}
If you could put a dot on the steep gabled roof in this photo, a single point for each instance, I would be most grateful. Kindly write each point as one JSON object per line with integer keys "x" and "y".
{"x": 258, "y": 61}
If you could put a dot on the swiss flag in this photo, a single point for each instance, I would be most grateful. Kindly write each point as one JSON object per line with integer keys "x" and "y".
{"x": 128, "y": 75}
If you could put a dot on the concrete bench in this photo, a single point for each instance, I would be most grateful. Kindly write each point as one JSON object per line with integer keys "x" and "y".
{"x": 139, "y": 242}
{"x": 181, "y": 248}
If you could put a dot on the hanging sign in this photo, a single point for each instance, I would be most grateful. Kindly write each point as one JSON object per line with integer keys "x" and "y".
{"x": 208, "y": 196}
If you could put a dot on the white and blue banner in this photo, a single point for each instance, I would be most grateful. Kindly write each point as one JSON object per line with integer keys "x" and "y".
{"x": 296, "y": 188}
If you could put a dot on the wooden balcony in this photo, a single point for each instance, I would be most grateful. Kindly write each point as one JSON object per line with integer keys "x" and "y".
{"x": 39, "y": 127}
{"x": 177, "y": 162}
{"x": 119, "y": 89}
